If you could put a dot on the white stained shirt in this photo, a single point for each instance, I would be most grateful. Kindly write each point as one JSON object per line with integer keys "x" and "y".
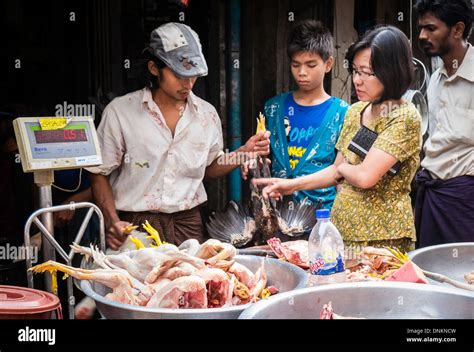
{"x": 150, "y": 170}
{"x": 449, "y": 148}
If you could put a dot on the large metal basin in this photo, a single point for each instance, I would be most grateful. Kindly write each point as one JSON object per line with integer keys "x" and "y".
{"x": 372, "y": 300}
{"x": 281, "y": 274}
{"x": 453, "y": 260}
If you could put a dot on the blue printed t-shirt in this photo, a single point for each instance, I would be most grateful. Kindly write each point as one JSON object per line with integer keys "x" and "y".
{"x": 301, "y": 123}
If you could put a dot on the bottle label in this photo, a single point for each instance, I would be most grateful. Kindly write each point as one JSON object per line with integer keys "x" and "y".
{"x": 316, "y": 265}
{"x": 326, "y": 265}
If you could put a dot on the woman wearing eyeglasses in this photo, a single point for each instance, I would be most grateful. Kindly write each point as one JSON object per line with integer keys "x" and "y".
{"x": 373, "y": 205}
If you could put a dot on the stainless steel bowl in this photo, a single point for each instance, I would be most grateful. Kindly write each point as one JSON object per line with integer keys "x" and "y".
{"x": 453, "y": 260}
{"x": 372, "y": 300}
{"x": 283, "y": 275}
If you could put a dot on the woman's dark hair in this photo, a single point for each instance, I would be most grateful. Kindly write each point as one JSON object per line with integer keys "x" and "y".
{"x": 151, "y": 80}
{"x": 310, "y": 36}
{"x": 391, "y": 59}
{"x": 448, "y": 11}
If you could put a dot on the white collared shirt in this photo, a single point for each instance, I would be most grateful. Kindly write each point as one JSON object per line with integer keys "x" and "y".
{"x": 150, "y": 170}
{"x": 449, "y": 148}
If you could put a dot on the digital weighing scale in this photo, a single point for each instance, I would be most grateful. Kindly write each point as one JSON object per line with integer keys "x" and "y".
{"x": 47, "y": 144}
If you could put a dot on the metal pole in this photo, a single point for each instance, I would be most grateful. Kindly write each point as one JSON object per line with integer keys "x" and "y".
{"x": 234, "y": 92}
{"x": 44, "y": 180}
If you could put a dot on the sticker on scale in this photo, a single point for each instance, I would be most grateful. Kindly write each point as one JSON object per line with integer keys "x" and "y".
{"x": 54, "y": 123}
{"x": 88, "y": 160}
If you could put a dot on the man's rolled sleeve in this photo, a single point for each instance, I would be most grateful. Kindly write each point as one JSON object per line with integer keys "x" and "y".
{"x": 111, "y": 143}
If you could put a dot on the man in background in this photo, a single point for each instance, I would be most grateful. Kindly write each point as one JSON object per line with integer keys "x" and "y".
{"x": 444, "y": 210}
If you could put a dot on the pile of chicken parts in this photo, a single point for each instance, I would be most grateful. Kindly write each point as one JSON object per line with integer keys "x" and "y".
{"x": 370, "y": 264}
{"x": 192, "y": 275}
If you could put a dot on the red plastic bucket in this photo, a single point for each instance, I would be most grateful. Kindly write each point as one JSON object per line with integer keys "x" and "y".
{"x": 27, "y": 303}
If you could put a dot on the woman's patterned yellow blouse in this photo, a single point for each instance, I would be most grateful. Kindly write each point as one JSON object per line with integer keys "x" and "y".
{"x": 384, "y": 211}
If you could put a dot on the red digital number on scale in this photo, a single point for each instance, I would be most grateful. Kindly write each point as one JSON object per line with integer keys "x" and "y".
{"x": 60, "y": 136}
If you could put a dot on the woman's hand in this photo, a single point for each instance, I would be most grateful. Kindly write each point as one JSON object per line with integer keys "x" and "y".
{"x": 275, "y": 187}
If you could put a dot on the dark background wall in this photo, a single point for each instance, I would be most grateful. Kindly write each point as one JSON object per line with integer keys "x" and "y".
{"x": 76, "y": 51}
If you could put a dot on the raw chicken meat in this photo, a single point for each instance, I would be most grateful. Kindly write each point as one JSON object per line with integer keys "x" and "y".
{"x": 181, "y": 269}
{"x": 190, "y": 247}
{"x": 243, "y": 274}
{"x": 167, "y": 277}
{"x": 295, "y": 252}
{"x": 240, "y": 290}
{"x": 469, "y": 277}
{"x": 328, "y": 313}
{"x": 123, "y": 289}
{"x": 85, "y": 309}
{"x": 260, "y": 282}
{"x": 168, "y": 261}
{"x": 214, "y": 251}
{"x": 184, "y": 292}
{"x": 217, "y": 284}
{"x": 146, "y": 264}
{"x": 159, "y": 284}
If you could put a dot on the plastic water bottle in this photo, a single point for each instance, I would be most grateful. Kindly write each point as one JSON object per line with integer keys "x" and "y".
{"x": 326, "y": 252}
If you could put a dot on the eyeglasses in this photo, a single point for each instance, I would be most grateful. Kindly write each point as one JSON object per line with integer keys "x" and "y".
{"x": 362, "y": 74}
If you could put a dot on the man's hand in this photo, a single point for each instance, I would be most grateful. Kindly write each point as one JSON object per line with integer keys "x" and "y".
{"x": 115, "y": 235}
{"x": 61, "y": 218}
{"x": 250, "y": 164}
{"x": 258, "y": 144}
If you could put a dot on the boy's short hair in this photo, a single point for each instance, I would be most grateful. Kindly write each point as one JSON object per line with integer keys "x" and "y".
{"x": 310, "y": 36}
{"x": 449, "y": 12}
{"x": 391, "y": 59}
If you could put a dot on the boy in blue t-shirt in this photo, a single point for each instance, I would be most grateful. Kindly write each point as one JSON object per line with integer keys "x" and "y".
{"x": 305, "y": 124}
{"x": 301, "y": 123}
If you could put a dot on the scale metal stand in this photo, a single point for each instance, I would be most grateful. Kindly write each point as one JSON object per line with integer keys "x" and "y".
{"x": 44, "y": 181}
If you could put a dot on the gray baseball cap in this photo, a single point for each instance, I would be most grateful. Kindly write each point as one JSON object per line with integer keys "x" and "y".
{"x": 178, "y": 46}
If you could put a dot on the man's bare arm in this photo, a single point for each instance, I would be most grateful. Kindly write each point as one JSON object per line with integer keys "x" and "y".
{"x": 259, "y": 143}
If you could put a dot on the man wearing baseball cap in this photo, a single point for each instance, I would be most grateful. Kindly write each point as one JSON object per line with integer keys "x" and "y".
{"x": 160, "y": 142}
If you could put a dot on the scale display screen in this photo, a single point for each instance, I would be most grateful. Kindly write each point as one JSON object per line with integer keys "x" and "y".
{"x": 60, "y": 136}
{"x": 70, "y": 141}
